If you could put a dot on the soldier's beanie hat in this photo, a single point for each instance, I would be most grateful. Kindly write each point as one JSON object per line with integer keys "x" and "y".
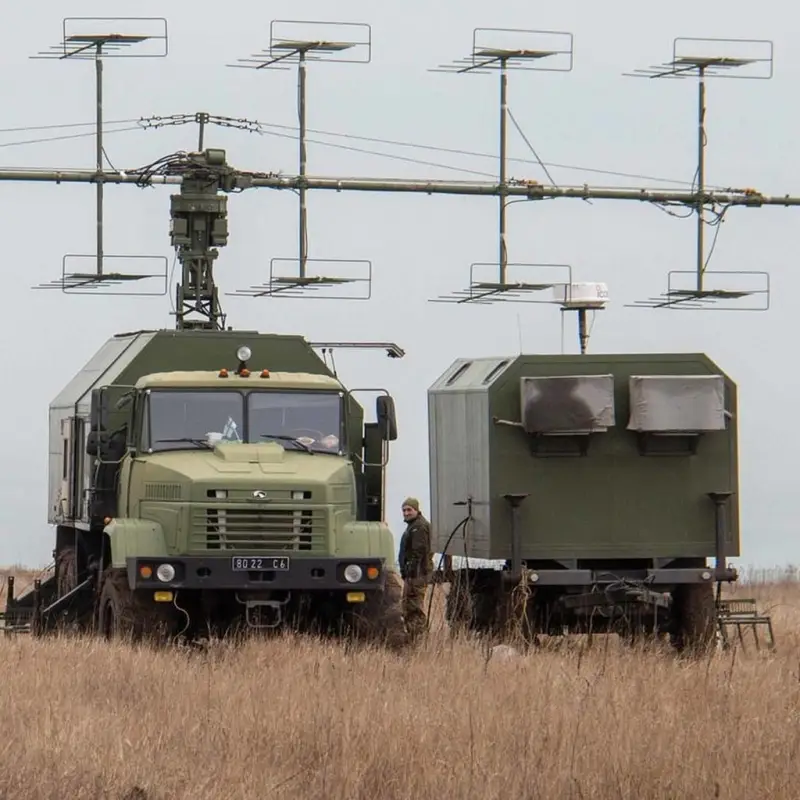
{"x": 412, "y": 502}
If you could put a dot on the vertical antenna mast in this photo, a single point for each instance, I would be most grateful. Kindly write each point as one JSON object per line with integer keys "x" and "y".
{"x": 686, "y": 63}
{"x": 285, "y": 48}
{"x": 199, "y": 216}
{"x": 491, "y": 52}
{"x": 87, "y": 38}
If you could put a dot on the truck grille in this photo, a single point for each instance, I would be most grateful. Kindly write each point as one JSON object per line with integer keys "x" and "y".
{"x": 259, "y": 529}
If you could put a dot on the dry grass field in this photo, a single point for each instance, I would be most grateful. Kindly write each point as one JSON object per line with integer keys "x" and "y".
{"x": 300, "y": 719}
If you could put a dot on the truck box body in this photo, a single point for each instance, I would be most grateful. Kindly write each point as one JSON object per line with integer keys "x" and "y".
{"x": 638, "y": 492}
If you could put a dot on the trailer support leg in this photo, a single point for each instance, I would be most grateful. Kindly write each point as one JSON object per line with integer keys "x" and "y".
{"x": 515, "y": 501}
{"x": 720, "y": 500}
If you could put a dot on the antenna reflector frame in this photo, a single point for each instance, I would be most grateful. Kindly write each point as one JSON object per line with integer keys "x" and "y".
{"x": 83, "y": 38}
{"x": 310, "y": 287}
{"x": 100, "y": 283}
{"x": 486, "y": 291}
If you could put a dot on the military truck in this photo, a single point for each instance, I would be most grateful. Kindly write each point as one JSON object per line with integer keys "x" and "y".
{"x": 599, "y": 484}
{"x": 204, "y": 479}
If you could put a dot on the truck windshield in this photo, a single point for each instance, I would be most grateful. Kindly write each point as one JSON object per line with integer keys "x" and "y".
{"x": 191, "y": 419}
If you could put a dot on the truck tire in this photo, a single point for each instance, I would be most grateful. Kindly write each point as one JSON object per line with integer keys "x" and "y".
{"x": 380, "y": 619}
{"x": 66, "y": 571}
{"x": 123, "y": 616}
{"x": 694, "y": 624}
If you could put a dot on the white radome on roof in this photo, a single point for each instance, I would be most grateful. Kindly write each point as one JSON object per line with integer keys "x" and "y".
{"x": 581, "y": 295}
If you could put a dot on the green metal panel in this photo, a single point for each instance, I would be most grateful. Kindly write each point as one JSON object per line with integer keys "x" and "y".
{"x": 214, "y": 349}
{"x": 200, "y": 349}
{"x": 612, "y": 502}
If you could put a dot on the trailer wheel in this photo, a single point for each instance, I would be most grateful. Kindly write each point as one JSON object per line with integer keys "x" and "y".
{"x": 694, "y": 625}
{"x": 380, "y": 619}
{"x": 123, "y": 616}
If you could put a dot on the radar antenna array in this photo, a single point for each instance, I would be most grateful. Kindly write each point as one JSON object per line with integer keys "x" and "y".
{"x": 716, "y": 62}
{"x": 337, "y": 42}
{"x": 204, "y": 178}
{"x": 84, "y": 39}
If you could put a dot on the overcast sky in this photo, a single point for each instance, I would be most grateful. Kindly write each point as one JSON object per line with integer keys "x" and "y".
{"x": 420, "y": 246}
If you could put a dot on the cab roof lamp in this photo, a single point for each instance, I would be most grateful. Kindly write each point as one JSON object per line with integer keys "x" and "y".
{"x": 265, "y": 373}
{"x": 223, "y": 373}
{"x": 243, "y": 354}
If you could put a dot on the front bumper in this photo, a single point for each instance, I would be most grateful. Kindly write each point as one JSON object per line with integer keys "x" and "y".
{"x": 291, "y": 574}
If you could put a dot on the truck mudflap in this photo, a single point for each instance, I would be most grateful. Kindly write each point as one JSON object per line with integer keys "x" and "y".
{"x": 257, "y": 572}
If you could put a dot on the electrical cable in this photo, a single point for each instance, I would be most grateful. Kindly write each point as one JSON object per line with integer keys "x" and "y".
{"x": 530, "y": 146}
{"x": 392, "y": 156}
{"x": 455, "y": 530}
{"x": 356, "y": 137}
{"x": 67, "y": 136}
{"x": 51, "y": 127}
{"x": 477, "y": 154}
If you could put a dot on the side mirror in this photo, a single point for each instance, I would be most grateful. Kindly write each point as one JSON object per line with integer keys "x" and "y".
{"x": 124, "y": 401}
{"x": 99, "y": 410}
{"x": 387, "y": 418}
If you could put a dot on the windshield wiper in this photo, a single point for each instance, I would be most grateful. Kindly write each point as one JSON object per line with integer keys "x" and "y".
{"x": 288, "y": 439}
{"x": 189, "y": 439}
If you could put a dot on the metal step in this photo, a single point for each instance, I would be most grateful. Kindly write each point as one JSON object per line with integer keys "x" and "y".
{"x": 742, "y": 615}
{"x": 17, "y": 617}
{"x": 17, "y": 621}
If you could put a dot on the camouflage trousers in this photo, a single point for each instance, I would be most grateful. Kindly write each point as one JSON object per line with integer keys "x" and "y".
{"x": 414, "y": 592}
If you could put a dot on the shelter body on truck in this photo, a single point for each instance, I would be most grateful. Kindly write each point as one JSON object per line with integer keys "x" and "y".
{"x": 208, "y": 477}
{"x": 602, "y": 483}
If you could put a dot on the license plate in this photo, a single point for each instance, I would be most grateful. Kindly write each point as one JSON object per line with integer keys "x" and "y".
{"x": 248, "y": 563}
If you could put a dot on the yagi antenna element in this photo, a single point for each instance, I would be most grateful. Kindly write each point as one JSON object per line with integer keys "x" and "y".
{"x": 96, "y": 38}
{"x": 296, "y": 42}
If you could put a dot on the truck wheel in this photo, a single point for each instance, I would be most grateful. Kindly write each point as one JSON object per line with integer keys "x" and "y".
{"x": 66, "y": 571}
{"x": 694, "y": 625}
{"x": 66, "y": 581}
{"x": 122, "y": 615}
{"x": 380, "y": 619}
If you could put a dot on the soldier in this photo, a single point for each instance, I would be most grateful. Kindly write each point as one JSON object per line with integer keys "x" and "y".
{"x": 416, "y": 566}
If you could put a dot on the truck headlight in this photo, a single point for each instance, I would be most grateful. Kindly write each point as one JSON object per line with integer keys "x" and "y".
{"x": 165, "y": 573}
{"x": 353, "y": 573}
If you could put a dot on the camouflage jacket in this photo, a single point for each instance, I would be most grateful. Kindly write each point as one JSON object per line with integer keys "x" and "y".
{"x": 415, "y": 556}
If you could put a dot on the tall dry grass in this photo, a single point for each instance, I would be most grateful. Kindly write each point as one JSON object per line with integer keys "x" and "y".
{"x": 290, "y": 718}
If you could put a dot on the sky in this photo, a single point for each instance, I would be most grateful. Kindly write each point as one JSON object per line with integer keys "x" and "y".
{"x": 420, "y": 246}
